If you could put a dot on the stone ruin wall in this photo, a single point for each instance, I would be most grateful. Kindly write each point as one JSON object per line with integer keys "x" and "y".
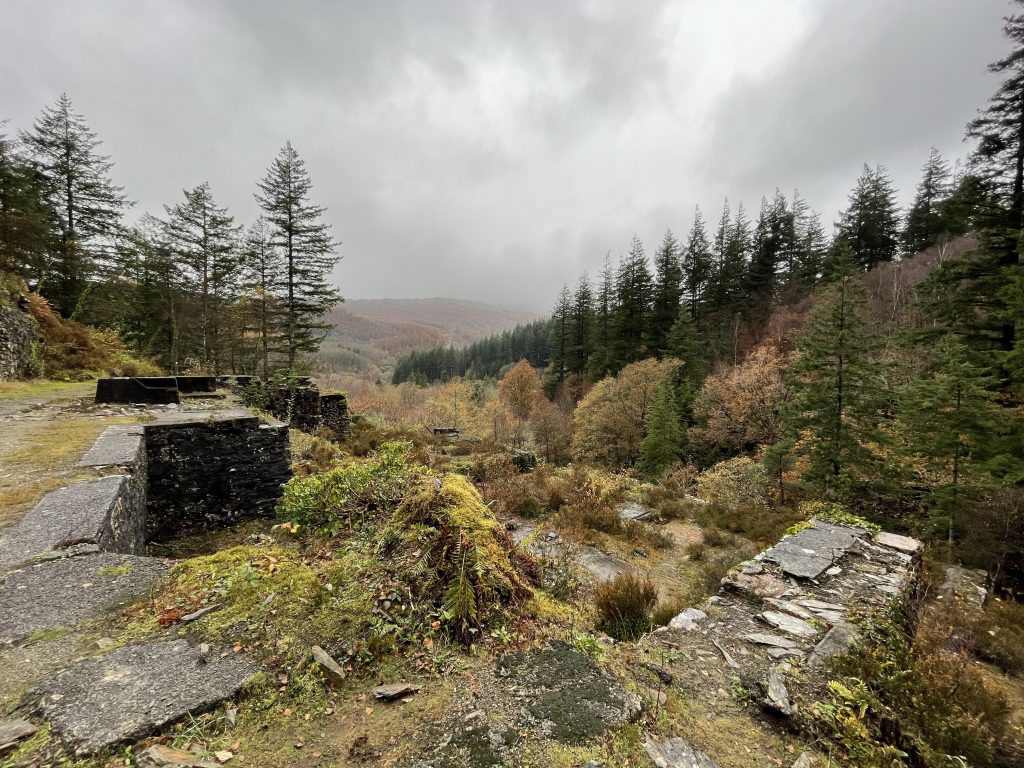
{"x": 302, "y": 405}
{"x": 17, "y": 333}
{"x": 213, "y": 472}
{"x": 186, "y": 471}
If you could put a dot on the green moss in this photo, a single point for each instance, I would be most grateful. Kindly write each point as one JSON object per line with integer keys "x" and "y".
{"x": 470, "y": 561}
{"x": 48, "y": 635}
{"x": 113, "y": 571}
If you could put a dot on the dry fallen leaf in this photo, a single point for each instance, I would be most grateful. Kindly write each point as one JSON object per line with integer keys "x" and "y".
{"x": 223, "y": 755}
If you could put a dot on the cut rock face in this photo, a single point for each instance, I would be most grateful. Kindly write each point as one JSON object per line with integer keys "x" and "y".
{"x": 63, "y": 592}
{"x": 134, "y": 691}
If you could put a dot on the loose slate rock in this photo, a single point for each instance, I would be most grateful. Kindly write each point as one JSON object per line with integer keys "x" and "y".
{"x": 836, "y": 642}
{"x": 332, "y": 670}
{"x": 897, "y": 542}
{"x": 159, "y": 756}
{"x": 774, "y": 641}
{"x": 777, "y": 697}
{"x": 394, "y": 691}
{"x": 676, "y": 753}
{"x": 13, "y": 731}
{"x": 61, "y": 593}
{"x": 788, "y": 624}
{"x": 688, "y": 619}
{"x": 134, "y": 691}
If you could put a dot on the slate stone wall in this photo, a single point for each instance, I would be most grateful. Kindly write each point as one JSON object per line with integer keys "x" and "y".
{"x": 208, "y": 473}
{"x": 17, "y": 332}
{"x": 300, "y": 404}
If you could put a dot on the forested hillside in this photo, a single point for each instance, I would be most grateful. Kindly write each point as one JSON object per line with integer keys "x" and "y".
{"x": 878, "y": 365}
{"x": 368, "y": 335}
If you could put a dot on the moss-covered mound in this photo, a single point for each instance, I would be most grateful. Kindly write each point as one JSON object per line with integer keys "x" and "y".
{"x": 465, "y": 560}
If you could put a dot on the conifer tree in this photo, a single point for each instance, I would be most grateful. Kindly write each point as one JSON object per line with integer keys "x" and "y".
{"x": 26, "y": 221}
{"x": 307, "y": 249}
{"x": 831, "y": 418}
{"x": 668, "y": 289}
{"x": 85, "y": 203}
{"x": 261, "y": 271}
{"x": 684, "y": 344}
{"x": 602, "y": 334}
{"x": 203, "y": 238}
{"x": 870, "y": 224}
{"x": 632, "y": 311}
{"x": 925, "y": 220}
{"x": 774, "y": 243}
{"x": 664, "y": 437}
{"x": 950, "y": 421}
{"x": 582, "y": 326}
{"x": 699, "y": 266}
{"x": 811, "y": 248}
{"x": 561, "y": 339}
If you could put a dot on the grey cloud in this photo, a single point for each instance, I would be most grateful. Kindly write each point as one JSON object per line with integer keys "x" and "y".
{"x": 492, "y": 150}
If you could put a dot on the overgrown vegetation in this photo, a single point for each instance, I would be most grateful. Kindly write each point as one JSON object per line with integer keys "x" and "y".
{"x": 624, "y": 605}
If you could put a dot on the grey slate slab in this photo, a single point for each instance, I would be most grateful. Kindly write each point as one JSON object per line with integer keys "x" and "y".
{"x": 63, "y": 592}
{"x": 134, "y": 691}
{"x": 812, "y": 551}
{"x": 117, "y": 446}
{"x": 676, "y": 753}
{"x": 74, "y": 514}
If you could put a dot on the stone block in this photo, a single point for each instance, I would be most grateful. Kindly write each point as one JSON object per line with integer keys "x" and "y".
{"x": 151, "y": 390}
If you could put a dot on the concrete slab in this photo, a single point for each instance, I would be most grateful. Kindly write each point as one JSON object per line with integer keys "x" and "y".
{"x": 75, "y": 514}
{"x": 134, "y": 691}
{"x": 118, "y": 446}
{"x": 62, "y": 593}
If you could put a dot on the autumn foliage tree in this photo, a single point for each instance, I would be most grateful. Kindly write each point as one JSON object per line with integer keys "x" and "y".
{"x": 611, "y": 421}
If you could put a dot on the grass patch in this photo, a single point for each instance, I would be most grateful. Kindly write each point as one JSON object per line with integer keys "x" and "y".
{"x": 14, "y": 390}
{"x": 624, "y": 605}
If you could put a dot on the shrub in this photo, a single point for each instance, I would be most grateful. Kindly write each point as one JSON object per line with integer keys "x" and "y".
{"x": 833, "y": 512}
{"x": 696, "y": 551}
{"x": 734, "y": 483}
{"x": 644, "y": 535}
{"x": 1000, "y": 635}
{"x": 624, "y": 605}
{"x": 312, "y": 453}
{"x": 341, "y": 497}
{"x": 947, "y": 714}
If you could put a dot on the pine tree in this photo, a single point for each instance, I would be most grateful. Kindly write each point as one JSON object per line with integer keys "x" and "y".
{"x": 870, "y": 224}
{"x": 774, "y": 243}
{"x": 831, "y": 419}
{"x": 811, "y": 248}
{"x": 699, "y": 266}
{"x": 684, "y": 344}
{"x": 950, "y": 421}
{"x": 26, "y": 222}
{"x": 582, "y": 326}
{"x": 632, "y": 316}
{"x": 308, "y": 250}
{"x": 561, "y": 339}
{"x": 668, "y": 279}
{"x": 925, "y": 220}
{"x": 203, "y": 238}
{"x": 664, "y": 438}
{"x": 85, "y": 203}
{"x": 262, "y": 269}
{"x": 602, "y": 334}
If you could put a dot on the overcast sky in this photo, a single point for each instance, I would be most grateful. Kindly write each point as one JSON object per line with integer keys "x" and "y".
{"x": 493, "y": 150}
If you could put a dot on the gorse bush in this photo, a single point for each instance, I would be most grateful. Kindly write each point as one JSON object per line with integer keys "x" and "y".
{"x": 343, "y": 496}
{"x": 624, "y": 605}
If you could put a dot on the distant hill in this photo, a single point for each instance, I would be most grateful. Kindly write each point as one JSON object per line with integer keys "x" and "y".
{"x": 370, "y": 334}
